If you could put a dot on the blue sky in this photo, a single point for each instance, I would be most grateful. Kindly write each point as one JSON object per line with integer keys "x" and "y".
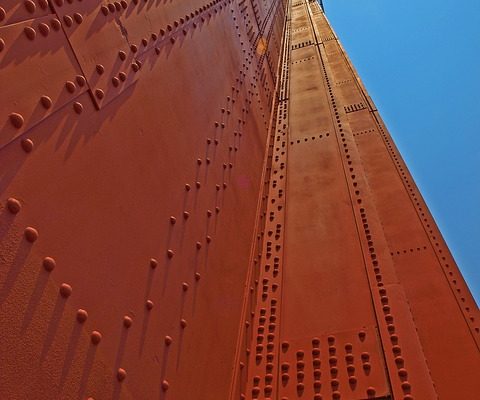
{"x": 420, "y": 61}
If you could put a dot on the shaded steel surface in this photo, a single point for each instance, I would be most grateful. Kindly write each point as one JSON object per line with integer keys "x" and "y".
{"x": 201, "y": 201}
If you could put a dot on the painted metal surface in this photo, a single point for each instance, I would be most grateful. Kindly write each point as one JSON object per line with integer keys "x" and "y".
{"x": 200, "y": 201}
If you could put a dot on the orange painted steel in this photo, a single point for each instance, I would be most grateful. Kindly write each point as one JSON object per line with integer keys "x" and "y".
{"x": 201, "y": 201}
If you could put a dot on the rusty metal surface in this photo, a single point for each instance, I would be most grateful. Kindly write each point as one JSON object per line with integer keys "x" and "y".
{"x": 200, "y": 201}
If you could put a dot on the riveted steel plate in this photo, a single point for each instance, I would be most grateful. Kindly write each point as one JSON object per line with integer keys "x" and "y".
{"x": 39, "y": 74}
{"x": 13, "y": 11}
{"x": 100, "y": 45}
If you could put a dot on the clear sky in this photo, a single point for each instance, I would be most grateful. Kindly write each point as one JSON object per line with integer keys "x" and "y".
{"x": 420, "y": 62}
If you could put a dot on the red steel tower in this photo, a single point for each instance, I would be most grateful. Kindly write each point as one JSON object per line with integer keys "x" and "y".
{"x": 200, "y": 201}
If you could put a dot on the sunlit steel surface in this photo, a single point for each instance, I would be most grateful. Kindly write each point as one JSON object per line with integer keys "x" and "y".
{"x": 201, "y": 201}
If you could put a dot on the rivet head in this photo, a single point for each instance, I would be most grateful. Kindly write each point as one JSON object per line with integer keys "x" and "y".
{"x": 184, "y": 286}
{"x": 186, "y": 214}
{"x": 49, "y": 264}
{"x": 165, "y": 385}
{"x": 198, "y": 245}
{"x": 187, "y": 187}
{"x": 31, "y": 234}
{"x": 197, "y": 276}
{"x": 82, "y": 315}
{"x": 30, "y": 32}
{"x": 170, "y": 253}
{"x": 121, "y": 374}
{"x": 173, "y": 220}
{"x": 78, "y": 107}
{"x": 127, "y": 321}
{"x": 183, "y": 323}
{"x": 209, "y": 239}
{"x": 168, "y": 340}
{"x": 30, "y": 6}
{"x": 68, "y": 20}
{"x": 13, "y": 205}
{"x": 46, "y": 102}
{"x": 65, "y": 290}
{"x": 149, "y": 304}
{"x": 153, "y": 263}
{"x": 95, "y": 337}
{"x": 100, "y": 69}
{"x": 56, "y": 24}
{"x": 78, "y": 18}
{"x": 70, "y": 86}
{"x": 16, "y": 120}
{"x": 371, "y": 391}
{"x": 99, "y": 93}
{"x": 44, "y": 29}
{"x": 27, "y": 145}
{"x": 81, "y": 80}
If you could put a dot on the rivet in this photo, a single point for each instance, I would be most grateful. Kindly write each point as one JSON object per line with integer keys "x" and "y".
{"x": 168, "y": 340}
{"x": 153, "y": 263}
{"x": 173, "y": 220}
{"x": 30, "y": 6}
{"x": 209, "y": 213}
{"x": 184, "y": 286}
{"x": 122, "y": 55}
{"x": 95, "y": 337}
{"x": 199, "y": 245}
{"x": 30, "y": 32}
{"x": 149, "y": 304}
{"x": 104, "y": 10}
{"x": 352, "y": 380}
{"x": 183, "y": 323}
{"x": 82, "y": 315}
{"x": 70, "y": 86}
{"x": 127, "y": 321}
{"x": 165, "y": 385}
{"x": 16, "y": 120}
{"x": 78, "y": 18}
{"x": 187, "y": 187}
{"x": 197, "y": 276}
{"x": 121, "y": 374}
{"x": 68, "y": 20}
{"x": 81, "y": 80}
{"x": 13, "y": 205}
{"x": 99, "y": 93}
{"x": 49, "y": 264}
{"x": 170, "y": 253}
{"x": 209, "y": 239}
{"x": 31, "y": 234}
{"x": 371, "y": 391}
{"x": 122, "y": 76}
{"x": 46, "y": 102}
{"x": 44, "y": 29}
{"x": 199, "y": 161}
{"x": 198, "y": 185}
{"x": 27, "y": 145}
{"x": 186, "y": 214}
{"x": 65, "y": 290}
{"x": 78, "y": 107}
{"x": 100, "y": 69}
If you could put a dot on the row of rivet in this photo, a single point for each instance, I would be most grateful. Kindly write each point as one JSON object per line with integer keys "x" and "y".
{"x": 382, "y": 292}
